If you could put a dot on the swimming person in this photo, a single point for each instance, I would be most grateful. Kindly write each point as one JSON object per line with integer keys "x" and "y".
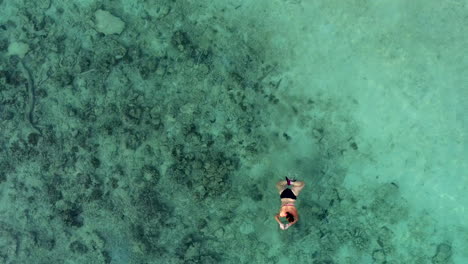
{"x": 288, "y": 198}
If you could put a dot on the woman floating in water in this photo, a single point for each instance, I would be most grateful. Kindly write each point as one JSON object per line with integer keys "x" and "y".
{"x": 288, "y": 198}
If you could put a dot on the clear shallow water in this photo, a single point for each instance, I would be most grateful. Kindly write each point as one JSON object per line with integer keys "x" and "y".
{"x": 155, "y": 132}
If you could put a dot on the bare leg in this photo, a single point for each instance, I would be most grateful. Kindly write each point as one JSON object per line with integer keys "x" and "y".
{"x": 297, "y": 187}
{"x": 281, "y": 185}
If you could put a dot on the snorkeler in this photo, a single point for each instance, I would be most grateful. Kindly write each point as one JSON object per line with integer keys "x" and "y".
{"x": 288, "y": 198}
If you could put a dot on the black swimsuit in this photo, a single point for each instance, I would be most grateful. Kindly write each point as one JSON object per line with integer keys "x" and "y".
{"x": 288, "y": 193}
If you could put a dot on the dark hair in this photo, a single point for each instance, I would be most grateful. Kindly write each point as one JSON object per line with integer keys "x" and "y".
{"x": 290, "y": 217}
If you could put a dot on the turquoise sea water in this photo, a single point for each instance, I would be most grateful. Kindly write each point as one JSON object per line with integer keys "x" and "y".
{"x": 155, "y": 131}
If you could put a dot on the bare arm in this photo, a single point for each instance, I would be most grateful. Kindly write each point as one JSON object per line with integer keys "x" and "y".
{"x": 277, "y": 219}
{"x": 290, "y": 224}
{"x": 295, "y": 220}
